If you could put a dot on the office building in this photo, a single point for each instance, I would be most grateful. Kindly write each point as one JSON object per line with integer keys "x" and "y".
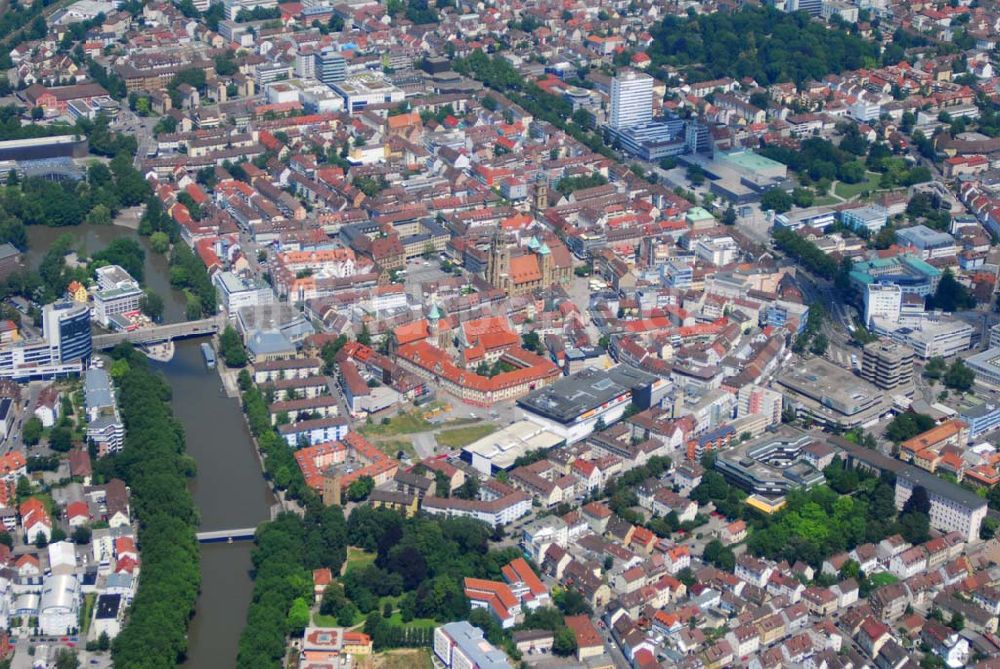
{"x": 882, "y": 300}
{"x": 757, "y": 400}
{"x": 953, "y": 509}
{"x": 116, "y": 302}
{"x": 930, "y": 243}
{"x": 770, "y": 466}
{"x": 871, "y": 218}
{"x": 631, "y": 100}
{"x": 330, "y": 67}
{"x": 981, "y": 417}
{"x": 832, "y": 396}
{"x": 234, "y": 7}
{"x": 459, "y": 645}
{"x": 907, "y": 271}
{"x": 995, "y": 336}
{"x": 927, "y": 337}
{"x": 64, "y": 348}
{"x": 369, "y": 88}
{"x": 887, "y": 365}
{"x": 105, "y": 428}
{"x": 117, "y": 293}
{"x": 236, "y": 292}
{"x": 986, "y": 365}
{"x": 651, "y": 141}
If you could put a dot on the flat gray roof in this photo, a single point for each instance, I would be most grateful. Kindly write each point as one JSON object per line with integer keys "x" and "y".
{"x": 568, "y": 398}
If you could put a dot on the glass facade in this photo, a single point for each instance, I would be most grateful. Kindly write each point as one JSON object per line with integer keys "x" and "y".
{"x": 75, "y": 342}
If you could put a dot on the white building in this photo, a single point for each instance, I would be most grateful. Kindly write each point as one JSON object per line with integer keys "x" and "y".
{"x": 459, "y": 645}
{"x": 717, "y": 251}
{"x": 361, "y": 90}
{"x": 882, "y": 300}
{"x": 631, "y": 99}
{"x": 236, "y": 292}
{"x": 953, "y": 509}
{"x": 927, "y": 337}
{"x": 499, "y": 450}
{"x": 59, "y": 611}
{"x": 117, "y": 293}
{"x": 757, "y": 400}
{"x": 108, "y": 615}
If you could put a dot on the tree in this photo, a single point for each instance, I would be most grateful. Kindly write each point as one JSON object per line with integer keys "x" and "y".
{"x": 160, "y": 242}
{"x": 360, "y": 488}
{"x": 365, "y": 337}
{"x": 152, "y": 305}
{"x": 960, "y": 376}
{"x": 32, "y": 431}
{"x": 564, "y": 642}
{"x": 802, "y": 197}
{"x": 819, "y": 344}
{"x": 67, "y": 659}
{"x": 935, "y": 368}
{"x": 908, "y": 424}
{"x": 695, "y": 175}
{"x": 571, "y": 602}
{"x": 950, "y": 295}
{"x": 729, "y": 216}
{"x": 531, "y": 341}
{"x": 776, "y": 199}
{"x": 61, "y": 439}
{"x": 298, "y": 617}
{"x": 918, "y": 501}
{"x": 81, "y": 535}
{"x": 231, "y": 348}
{"x": 99, "y": 215}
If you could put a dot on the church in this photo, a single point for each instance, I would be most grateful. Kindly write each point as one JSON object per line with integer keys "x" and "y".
{"x": 519, "y": 271}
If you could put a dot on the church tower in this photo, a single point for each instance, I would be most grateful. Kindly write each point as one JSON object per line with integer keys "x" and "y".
{"x": 498, "y": 263}
{"x": 541, "y": 194}
{"x": 547, "y": 265}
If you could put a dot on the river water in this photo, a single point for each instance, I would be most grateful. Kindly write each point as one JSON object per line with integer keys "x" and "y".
{"x": 229, "y": 488}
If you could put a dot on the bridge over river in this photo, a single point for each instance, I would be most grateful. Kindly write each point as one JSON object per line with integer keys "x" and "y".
{"x": 160, "y": 333}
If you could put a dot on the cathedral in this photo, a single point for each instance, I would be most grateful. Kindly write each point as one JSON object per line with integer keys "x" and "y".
{"x": 519, "y": 271}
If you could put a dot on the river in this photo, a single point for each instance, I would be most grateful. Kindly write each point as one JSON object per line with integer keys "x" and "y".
{"x": 229, "y": 488}
{"x": 91, "y": 238}
{"x": 230, "y": 493}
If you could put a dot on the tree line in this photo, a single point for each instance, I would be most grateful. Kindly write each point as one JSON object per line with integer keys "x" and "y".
{"x": 280, "y": 467}
{"x": 155, "y": 468}
{"x": 188, "y": 273}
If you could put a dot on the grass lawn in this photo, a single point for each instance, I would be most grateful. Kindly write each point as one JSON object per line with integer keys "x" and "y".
{"x": 404, "y": 423}
{"x": 404, "y": 658}
{"x": 87, "y": 612}
{"x": 418, "y": 623}
{"x": 358, "y": 559}
{"x": 321, "y": 620}
{"x": 826, "y": 201}
{"x": 882, "y": 578}
{"x": 463, "y": 436}
{"x": 392, "y": 447}
{"x": 324, "y": 621}
{"x": 847, "y": 191}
